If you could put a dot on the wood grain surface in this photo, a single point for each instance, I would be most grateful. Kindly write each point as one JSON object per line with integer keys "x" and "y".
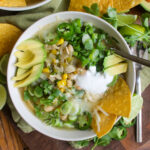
{"x": 9, "y": 139}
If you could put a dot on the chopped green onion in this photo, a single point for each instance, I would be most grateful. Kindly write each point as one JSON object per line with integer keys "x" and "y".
{"x": 26, "y": 95}
{"x": 88, "y": 45}
{"x": 66, "y": 108}
{"x": 31, "y": 90}
{"x": 38, "y": 92}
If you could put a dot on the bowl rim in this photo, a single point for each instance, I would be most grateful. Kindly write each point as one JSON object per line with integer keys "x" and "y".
{"x": 28, "y": 7}
{"x": 55, "y": 15}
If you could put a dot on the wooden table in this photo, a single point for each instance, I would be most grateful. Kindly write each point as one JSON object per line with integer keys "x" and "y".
{"x": 9, "y": 138}
{"x": 10, "y": 134}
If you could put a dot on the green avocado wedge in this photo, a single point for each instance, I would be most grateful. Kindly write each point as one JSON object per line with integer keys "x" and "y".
{"x": 31, "y": 52}
{"x": 116, "y": 69}
{"x": 22, "y": 76}
{"x": 145, "y": 5}
{"x": 29, "y": 44}
{"x": 34, "y": 75}
{"x": 112, "y": 60}
{"x": 20, "y": 71}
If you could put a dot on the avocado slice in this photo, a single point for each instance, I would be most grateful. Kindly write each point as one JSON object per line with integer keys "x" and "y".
{"x": 29, "y": 44}
{"x": 24, "y": 55}
{"x": 117, "y": 69}
{"x": 20, "y": 71}
{"x": 34, "y": 75}
{"x": 31, "y": 52}
{"x": 145, "y": 5}
{"x": 112, "y": 60}
{"x": 22, "y": 76}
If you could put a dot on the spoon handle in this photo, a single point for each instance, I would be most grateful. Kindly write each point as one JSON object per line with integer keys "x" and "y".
{"x": 133, "y": 58}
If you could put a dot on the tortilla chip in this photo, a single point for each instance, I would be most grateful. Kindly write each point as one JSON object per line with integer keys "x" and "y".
{"x": 77, "y": 5}
{"x": 104, "y": 4}
{"x": 106, "y": 124}
{"x": 117, "y": 100}
{"x": 8, "y": 36}
{"x": 125, "y": 5}
{"x": 12, "y": 3}
{"x": 120, "y": 5}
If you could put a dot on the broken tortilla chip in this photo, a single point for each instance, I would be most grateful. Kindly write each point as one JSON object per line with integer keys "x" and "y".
{"x": 106, "y": 124}
{"x": 120, "y": 5}
{"x": 117, "y": 100}
{"x": 12, "y": 3}
{"x": 77, "y": 5}
{"x": 104, "y": 4}
{"x": 125, "y": 5}
{"x": 8, "y": 37}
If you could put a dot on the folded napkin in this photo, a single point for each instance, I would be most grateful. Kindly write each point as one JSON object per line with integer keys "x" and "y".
{"x": 145, "y": 76}
{"x": 26, "y": 18}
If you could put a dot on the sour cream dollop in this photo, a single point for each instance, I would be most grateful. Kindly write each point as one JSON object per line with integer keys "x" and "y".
{"x": 94, "y": 82}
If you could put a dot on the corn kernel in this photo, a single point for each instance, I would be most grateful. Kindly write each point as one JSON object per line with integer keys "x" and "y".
{"x": 46, "y": 70}
{"x": 61, "y": 41}
{"x": 54, "y": 51}
{"x": 69, "y": 59}
{"x": 62, "y": 90}
{"x": 64, "y": 76}
{"x": 75, "y": 72}
{"x": 61, "y": 83}
{"x": 54, "y": 61}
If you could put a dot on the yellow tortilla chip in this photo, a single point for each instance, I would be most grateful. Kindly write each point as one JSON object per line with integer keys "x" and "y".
{"x": 8, "y": 36}
{"x": 104, "y": 4}
{"x": 12, "y": 3}
{"x": 125, "y": 5}
{"x": 117, "y": 100}
{"x": 120, "y": 5}
{"x": 106, "y": 124}
{"x": 77, "y": 5}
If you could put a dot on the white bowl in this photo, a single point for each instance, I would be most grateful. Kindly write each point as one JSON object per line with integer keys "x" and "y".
{"x": 30, "y": 118}
{"x": 26, "y": 7}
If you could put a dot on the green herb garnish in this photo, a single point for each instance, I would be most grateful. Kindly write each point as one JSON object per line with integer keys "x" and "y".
{"x": 94, "y": 9}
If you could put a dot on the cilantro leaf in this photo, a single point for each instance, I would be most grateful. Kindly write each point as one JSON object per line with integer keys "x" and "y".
{"x": 80, "y": 144}
{"x": 112, "y": 12}
{"x": 104, "y": 141}
{"x": 94, "y": 9}
{"x": 145, "y": 20}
